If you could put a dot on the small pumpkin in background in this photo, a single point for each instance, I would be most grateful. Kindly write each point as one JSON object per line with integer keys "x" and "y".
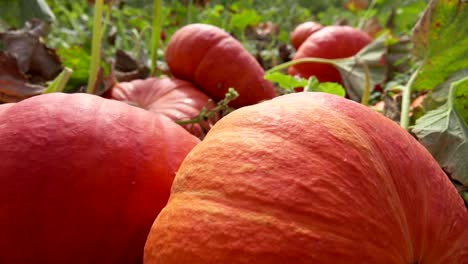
{"x": 332, "y": 42}
{"x": 83, "y": 178}
{"x": 215, "y": 61}
{"x": 303, "y": 178}
{"x": 171, "y": 97}
{"x": 303, "y": 31}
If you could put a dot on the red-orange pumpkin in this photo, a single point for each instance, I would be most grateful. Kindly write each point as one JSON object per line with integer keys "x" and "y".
{"x": 331, "y": 42}
{"x": 303, "y": 31}
{"x": 176, "y": 99}
{"x": 209, "y": 57}
{"x": 82, "y": 178}
{"x": 310, "y": 178}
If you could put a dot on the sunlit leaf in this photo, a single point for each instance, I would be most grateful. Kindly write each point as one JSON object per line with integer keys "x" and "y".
{"x": 332, "y": 88}
{"x": 440, "y": 41}
{"x": 285, "y": 81}
{"x": 289, "y": 83}
{"x": 77, "y": 59}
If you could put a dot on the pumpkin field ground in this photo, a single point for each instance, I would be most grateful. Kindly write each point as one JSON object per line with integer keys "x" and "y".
{"x": 233, "y": 131}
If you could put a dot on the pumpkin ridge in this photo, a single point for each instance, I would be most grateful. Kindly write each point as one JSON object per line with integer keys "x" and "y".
{"x": 249, "y": 198}
{"x": 273, "y": 214}
{"x": 205, "y": 57}
{"x": 165, "y": 92}
{"x": 403, "y": 221}
{"x": 345, "y": 124}
{"x": 360, "y": 134}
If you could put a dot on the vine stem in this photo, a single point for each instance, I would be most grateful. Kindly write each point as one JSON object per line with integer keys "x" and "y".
{"x": 366, "y": 14}
{"x": 189, "y": 11}
{"x": 303, "y": 60}
{"x": 58, "y": 85}
{"x": 406, "y": 102}
{"x": 367, "y": 89}
{"x": 95, "y": 46}
{"x": 206, "y": 114}
{"x": 156, "y": 36}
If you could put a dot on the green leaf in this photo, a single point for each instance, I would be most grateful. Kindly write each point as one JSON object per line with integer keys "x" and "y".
{"x": 332, "y": 88}
{"x": 440, "y": 42}
{"x": 58, "y": 84}
{"x": 444, "y": 132}
{"x": 368, "y": 62}
{"x": 16, "y": 13}
{"x": 77, "y": 59}
{"x": 441, "y": 92}
{"x": 213, "y": 16}
{"x": 36, "y": 9}
{"x": 247, "y": 17}
{"x": 287, "y": 82}
{"x": 312, "y": 84}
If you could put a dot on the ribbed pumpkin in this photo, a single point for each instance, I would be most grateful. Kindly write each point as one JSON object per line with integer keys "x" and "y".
{"x": 209, "y": 57}
{"x": 171, "y": 97}
{"x": 303, "y": 31}
{"x": 310, "y": 178}
{"x": 332, "y": 42}
{"x": 82, "y": 178}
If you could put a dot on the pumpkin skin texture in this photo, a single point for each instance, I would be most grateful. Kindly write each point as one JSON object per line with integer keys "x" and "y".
{"x": 303, "y": 31}
{"x": 176, "y": 99}
{"x": 331, "y": 42}
{"x": 304, "y": 178}
{"x": 214, "y": 61}
{"x": 82, "y": 178}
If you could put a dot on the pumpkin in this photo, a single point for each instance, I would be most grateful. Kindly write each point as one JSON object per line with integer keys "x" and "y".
{"x": 176, "y": 99}
{"x": 214, "y": 61}
{"x": 332, "y": 42}
{"x": 304, "y": 178}
{"x": 82, "y": 178}
{"x": 303, "y": 31}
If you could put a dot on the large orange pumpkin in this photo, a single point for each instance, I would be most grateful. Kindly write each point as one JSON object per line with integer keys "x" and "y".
{"x": 209, "y": 57}
{"x": 310, "y": 178}
{"x": 171, "y": 97}
{"x": 82, "y": 178}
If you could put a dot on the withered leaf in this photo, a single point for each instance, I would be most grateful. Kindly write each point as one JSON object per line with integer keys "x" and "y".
{"x": 34, "y": 59}
{"x": 14, "y": 85}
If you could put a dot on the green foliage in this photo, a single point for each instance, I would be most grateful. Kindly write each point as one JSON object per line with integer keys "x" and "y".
{"x": 289, "y": 83}
{"x": 286, "y": 82}
{"x": 16, "y": 13}
{"x": 441, "y": 42}
{"x": 59, "y": 83}
{"x": 331, "y": 88}
{"x": 247, "y": 17}
{"x": 444, "y": 132}
{"x": 77, "y": 59}
{"x": 365, "y": 69}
